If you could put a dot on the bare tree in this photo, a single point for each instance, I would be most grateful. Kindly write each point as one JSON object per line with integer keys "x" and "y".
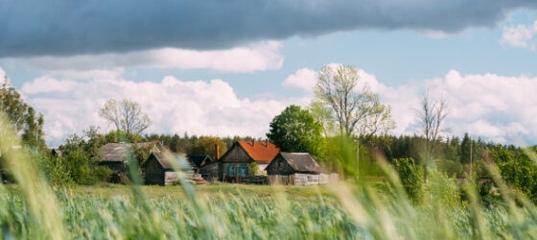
{"x": 432, "y": 115}
{"x": 125, "y": 115}
{"x": 356, "y": 111}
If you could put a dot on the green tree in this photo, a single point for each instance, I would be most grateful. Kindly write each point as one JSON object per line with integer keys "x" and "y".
{"x": 295, "y": 130}
{"x": 206, "y": 145}
{"x": 22, "y": 116}
{"x": 77, "y": 161}
{"x": 466, "y": 149}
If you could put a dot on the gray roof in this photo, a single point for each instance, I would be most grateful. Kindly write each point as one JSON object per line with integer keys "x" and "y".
{"x": 169, "y": 160}
{"x": 301, "y": 162}
{"x": 115, "y": 152}
{"x": 118, "y": 152}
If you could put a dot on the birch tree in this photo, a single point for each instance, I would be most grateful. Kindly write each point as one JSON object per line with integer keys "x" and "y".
{"x": 354, "y": 108}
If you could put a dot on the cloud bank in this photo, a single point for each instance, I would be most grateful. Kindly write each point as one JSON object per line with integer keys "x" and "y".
{"x": 260, "y": 56}
{"x": 174, "y": 106}
{"x": 484, "y": 105}
{"x": 57, "y": 27}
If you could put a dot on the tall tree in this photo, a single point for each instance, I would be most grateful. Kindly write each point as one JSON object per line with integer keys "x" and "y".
{"x": 295, "y": 130}
{"x": 27, "y": 123}
{"x": 125, "y": 115}
{"x": 356, "y": 111}
{"x": 432, "y": 115}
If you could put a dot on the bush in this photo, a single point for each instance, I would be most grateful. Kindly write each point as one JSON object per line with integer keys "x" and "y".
{"x": 411, "y": 176}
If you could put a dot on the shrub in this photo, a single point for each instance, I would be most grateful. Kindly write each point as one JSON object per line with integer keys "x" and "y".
{"x": 411, "y": 176}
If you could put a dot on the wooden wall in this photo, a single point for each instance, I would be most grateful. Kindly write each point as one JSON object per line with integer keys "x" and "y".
{"x": 211, "y": 172}
{"x": 153, "y": 171}
{"x": 236, "y": 155}
{"x": 279, "y": 167}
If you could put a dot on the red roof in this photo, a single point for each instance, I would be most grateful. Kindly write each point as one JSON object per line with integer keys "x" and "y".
{"x": 260, "y": 151}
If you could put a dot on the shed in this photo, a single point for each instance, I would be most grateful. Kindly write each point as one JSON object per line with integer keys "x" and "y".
{"x": 116, "y": 156}
{"x": 295, "y": 169}
{"x": 239, "y": 161}
{"x": 160, "y": 168}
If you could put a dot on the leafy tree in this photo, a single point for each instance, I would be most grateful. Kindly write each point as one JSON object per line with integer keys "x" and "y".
{"x": 125, "y": 115}
{"x": 22, "y": 116}
{"x": 206, "y": 145}
{"x": 77, "y": 162}
{"x": 355, "y": 111}
{"x": 122, "y": 136}
{"x": 295, "y": 130}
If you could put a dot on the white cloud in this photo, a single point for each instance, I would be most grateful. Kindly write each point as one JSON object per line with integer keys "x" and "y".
{"x": 175, "y": 106}
{"x": 303, "y": 78}
{"x": 494, "y": 107}
{"x": 254, "y": 57}
{"x": 520, "y": 36}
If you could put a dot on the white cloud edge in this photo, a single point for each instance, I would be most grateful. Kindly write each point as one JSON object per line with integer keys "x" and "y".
{"x": 260, "y": 56}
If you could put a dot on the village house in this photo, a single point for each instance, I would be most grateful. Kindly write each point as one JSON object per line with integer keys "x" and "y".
{"x": 116, "y": 156}
{"x": 246, "y": 159}
{"x": 198, "y": 161}
{"x": 164, "y": 167}
{"x": 295, "y": 169}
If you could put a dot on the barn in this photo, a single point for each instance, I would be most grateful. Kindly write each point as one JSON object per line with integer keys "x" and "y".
{"x": 160, "y": 168}
{"x": 294, "y": 169}
{"x": 246, "y": 158}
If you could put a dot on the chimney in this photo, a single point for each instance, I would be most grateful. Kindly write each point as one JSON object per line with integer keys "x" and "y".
{"x": 216, "y": 152}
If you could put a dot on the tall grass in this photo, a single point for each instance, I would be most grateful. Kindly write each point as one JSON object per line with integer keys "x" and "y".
{"x": 344, "y": 210}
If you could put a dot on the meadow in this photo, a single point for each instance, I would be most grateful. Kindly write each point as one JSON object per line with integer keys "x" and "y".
{"x": 232, "y": 211}
{"x": 351, "y": 209}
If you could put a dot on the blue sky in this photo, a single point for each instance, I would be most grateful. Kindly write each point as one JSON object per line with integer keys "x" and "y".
{"x": 483, "y": 66}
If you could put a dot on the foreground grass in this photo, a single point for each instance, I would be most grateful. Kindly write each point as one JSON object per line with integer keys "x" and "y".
{"x": 231, "y": 211}
{"x": 34, "y": 210}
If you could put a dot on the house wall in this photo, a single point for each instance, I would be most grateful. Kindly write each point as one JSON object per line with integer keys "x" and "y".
{"x": 235, "y": 164}
{"x": 153, "y": 172}
{"x": 210, "y": 172}
{"x": 119, "y": 171}
{"x": 236, "y": 155}
{"x": 279, "y": 167}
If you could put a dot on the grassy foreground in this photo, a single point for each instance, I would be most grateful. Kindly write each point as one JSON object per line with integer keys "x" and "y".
{"x": 33, "y": 209}
{"x": 231, "y": 211}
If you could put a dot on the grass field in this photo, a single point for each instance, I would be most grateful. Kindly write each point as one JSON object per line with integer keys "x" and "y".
{"x": 234, "y": 211}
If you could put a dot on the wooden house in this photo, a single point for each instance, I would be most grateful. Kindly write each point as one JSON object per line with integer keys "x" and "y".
{"x": 162, "y": 168}
{"x": 116, "y": 156}
{"x": 210, "y": 171}
{"x": 245, "y": 159}
{"x": 198, "y": 161}
{"x": 294, "y": 169}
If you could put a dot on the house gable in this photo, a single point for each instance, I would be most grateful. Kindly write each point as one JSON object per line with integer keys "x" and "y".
{"x": 279, "y": 166}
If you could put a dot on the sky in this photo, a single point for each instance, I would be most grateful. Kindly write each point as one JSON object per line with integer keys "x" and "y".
{"x": 227, "y": 68}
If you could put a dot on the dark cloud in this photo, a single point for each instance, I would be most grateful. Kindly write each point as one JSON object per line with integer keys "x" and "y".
{"x": 59, "y": 27}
